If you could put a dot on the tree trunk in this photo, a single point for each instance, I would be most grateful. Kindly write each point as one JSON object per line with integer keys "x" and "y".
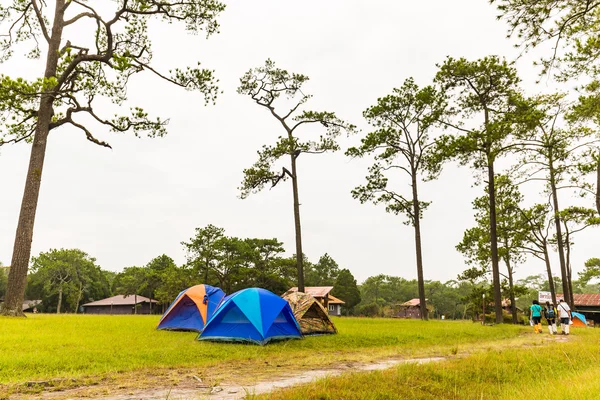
{"x": 511, "y": 291}
{"x": 60, "y": 296}
{"x": 550, "y": 277}
{"x": 79, "y": 295}
{"x": 417, "y": 226}
{"x": 298, "y": 228}
{"x": 571, "y": 299}
{"x": 494, "y": 242}
{"x": 13, "y": 304}
{"x": 559, "y": 238}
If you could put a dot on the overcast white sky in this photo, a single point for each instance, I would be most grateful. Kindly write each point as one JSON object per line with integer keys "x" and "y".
{"x": 141, "y": 199}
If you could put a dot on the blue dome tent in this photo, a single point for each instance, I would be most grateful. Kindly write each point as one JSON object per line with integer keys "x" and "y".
{"x": 192, "y": 309}
{"x": 252, "y": 315}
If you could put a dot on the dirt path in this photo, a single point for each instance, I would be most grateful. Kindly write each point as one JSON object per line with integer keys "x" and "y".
{"x": 235, "y": 392}
{"x": 241, "y": 380}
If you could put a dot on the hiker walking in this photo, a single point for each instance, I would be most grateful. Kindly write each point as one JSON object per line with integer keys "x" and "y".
{"x": 550, "y": 314}
{"x": 536, "y": 316}
{"x": 565, "y": 316}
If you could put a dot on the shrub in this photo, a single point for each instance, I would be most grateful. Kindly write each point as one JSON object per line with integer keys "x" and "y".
{"x": 368, "y": 310}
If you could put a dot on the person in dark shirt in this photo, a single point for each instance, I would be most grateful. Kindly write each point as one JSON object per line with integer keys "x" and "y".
{"x": 550, "y": 314}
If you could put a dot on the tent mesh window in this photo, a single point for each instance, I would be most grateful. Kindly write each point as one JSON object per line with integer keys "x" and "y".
{"x": 234, "y": 316}
{"x": 312, "y": 312}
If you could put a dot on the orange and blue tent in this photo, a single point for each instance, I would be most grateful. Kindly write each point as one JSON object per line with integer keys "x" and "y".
{"x": 252, "y": 315}
{"x": 578, "y": 320}
{"x": 192, "y": 308}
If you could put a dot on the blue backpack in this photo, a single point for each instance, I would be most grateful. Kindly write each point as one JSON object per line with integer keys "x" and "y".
{"x": 550, "y": 313}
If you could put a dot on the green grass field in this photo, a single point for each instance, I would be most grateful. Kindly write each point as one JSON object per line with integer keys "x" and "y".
{"x": 529, "y": 372}
{"x": 44, "y": 347}
{"x": 101, "y": 354}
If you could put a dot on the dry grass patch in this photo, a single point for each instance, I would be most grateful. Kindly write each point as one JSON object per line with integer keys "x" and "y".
{"x": 499, "y": 372}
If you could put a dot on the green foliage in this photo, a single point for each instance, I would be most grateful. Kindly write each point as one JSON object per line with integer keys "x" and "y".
{"x": 533, "y": 285}
{"x": 95, "y": 65}
{"x": 555, "y": 154}
{"x": 385, "y": 290}
{"x": 538, "y": 283}
{"x": 591, "y": 271}
{"x": 537, "y": 221}
{"x": 517, "y": 289}
{"x": 110, "y": 277}
{"x": 446, "y": 299}
{"x": 266, "y": 268}
{"x": 323, "y": 273}
{"x": 145, "y": 281}
{"x": 579, "y": 218}
{"x": 475, "y": 247}
{"x": 368, "y": 310}
{"x": 173, "y": 280}
{"x": 401, "y": 143}
{"x": 472, "y": 275}
{"x": 200, "y": 249}
{"x": 484, "y": 91}
{"x": 587, "y": 107}
{"x": 157, "y": 267}
{"x": 133, "y": 281}
{"x": 559, "y": 147}
{"x": 475, "y": 286}
{"x": 510, "y": 229}
{"x": 265, "y": 85}
{"x": 233, "y": 263}
{"x": 346, "y": 289}
{"x": 216, "y": 259}
{"x": 570, "y": 26}
{"x": 576, "y": 219}
{"x": 67, "y": 276}
{"x": 161, "y": 279}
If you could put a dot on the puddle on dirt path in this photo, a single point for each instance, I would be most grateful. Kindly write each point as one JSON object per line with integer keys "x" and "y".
{"x": 236, "y": 392}
{"x": 310, "y": 376}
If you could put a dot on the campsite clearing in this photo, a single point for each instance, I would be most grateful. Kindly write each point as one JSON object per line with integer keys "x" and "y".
{"x": 64, "y": 351}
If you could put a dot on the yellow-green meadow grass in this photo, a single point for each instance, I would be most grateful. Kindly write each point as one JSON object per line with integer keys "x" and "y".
{"x": 43, "y": 347}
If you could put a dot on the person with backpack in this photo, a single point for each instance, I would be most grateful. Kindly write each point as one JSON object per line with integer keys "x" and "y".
{"x": 565, "y": 316}
{"x": 536, "y": 316}
{"x": 550, "y": 315}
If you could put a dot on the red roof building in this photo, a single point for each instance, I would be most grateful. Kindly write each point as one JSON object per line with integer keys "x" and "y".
{"x": 587, "y": 300}
{"x": 410, "y": 309}
{"x": 120, "y": 304}
{"x": 586, "y": 304}
{"x": 584, "y": 300}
